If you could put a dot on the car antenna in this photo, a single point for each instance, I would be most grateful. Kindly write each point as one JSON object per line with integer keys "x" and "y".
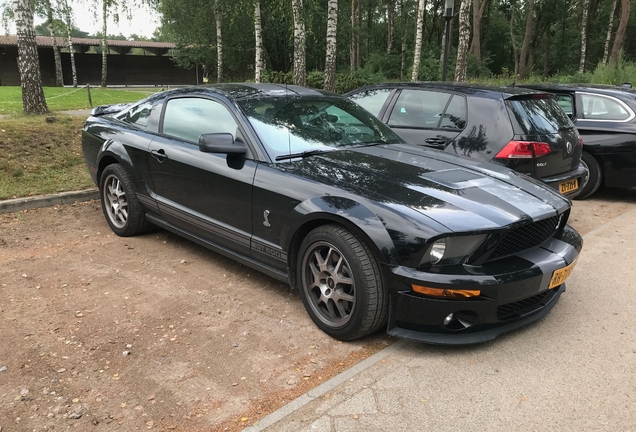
{"x": 288, "y": 130}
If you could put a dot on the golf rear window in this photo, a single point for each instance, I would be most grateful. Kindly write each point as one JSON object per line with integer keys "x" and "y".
{"x": 537, "y": 115}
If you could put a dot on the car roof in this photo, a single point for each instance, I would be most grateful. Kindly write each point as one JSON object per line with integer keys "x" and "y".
{"x": 482, "y": 90}
{"x": 591, "y": 88}
{"x": 241, "y": 91}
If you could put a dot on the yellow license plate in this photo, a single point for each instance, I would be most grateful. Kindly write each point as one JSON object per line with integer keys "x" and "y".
{"x": 568, "y": 186}
{"x": 559, "y": 276}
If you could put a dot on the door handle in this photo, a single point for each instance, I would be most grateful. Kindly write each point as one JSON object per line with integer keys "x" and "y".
{"x": 160, "y": 155}
{"x": 437, "y": 142}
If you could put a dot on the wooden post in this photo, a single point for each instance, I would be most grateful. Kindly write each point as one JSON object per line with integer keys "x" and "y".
{"x": 88, "y": 90}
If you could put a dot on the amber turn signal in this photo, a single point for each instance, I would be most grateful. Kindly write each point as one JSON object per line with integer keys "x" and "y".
{"x": 442, "y": 292}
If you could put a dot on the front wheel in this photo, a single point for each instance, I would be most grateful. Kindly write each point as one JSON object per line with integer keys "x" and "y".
{"x": 119, "y": 203}
{"x": 341, "y": 284}
{"x": 594, "y": 176}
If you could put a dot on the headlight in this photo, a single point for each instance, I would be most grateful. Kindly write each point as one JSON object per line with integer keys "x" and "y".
{"x": 450, "y": 250}
{"x": 436, "y": 252}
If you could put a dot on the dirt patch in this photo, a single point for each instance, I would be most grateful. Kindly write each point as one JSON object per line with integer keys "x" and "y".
{"x": 146, "y": 332}
{"x": 155, "y": 332}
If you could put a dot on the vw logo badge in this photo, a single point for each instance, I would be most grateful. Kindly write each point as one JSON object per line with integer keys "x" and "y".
{"x": 568, "y": 148}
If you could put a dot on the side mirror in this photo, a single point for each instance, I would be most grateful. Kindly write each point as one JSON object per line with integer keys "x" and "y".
{"x": 221, "y": 143}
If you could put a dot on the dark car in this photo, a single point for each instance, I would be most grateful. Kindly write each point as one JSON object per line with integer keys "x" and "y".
{"x": 520, "y": 129}
{"x": 606, "y": 119}
{"x": 311, "y": 189}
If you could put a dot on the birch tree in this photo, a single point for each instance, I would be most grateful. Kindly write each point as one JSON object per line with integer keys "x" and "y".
{"x": 464, "y": 37}
{"x": 219, "y": 41}
{"x": 332, "y": 31}
{"x": 68, "y": 21}
{"x": 390, "y": 26}
{"x": 33, "y": 101}
{"x": 419, "y": 29}
{"x": 526, "y": 39}
{"x": 585, "y": 4}
{"x": 104, "y": 42}
{"x": 354, "y": 31}
{"x": 258, "y": 34}
{"x": 300, "y": 70}
{"x": 513, "y": 39}
{"x": 619, "y": 38}
{"x": 59, "y": 79}
{"x": 609, "y": 33}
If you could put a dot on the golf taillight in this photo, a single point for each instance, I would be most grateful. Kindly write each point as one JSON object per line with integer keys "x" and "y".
{"x": 524, "y": 150}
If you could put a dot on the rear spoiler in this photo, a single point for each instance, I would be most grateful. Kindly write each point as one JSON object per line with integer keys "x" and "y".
{"x": 109, "y": 109}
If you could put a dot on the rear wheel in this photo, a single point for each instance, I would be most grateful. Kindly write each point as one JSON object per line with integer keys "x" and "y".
{"x": 341, "y": 284}
{"x": 119, "y": 203}
{"x": 594, "y": 176}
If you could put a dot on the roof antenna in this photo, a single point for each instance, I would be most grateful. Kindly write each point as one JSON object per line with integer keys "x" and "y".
{"x": 288, "y": 130}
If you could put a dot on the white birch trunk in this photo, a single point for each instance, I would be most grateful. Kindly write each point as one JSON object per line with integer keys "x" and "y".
{"x": 418, "y": 40}
{"x": 585, "y": 6}
{"x": 513, "y": 39}
{"x": 608, "y": 38}
{"x": 59, "y": 79}
{"x": 69, "y": 41}
{"x": 219, "y": 41}
{"x": 390, "y": 27}
{"x": 300, "y": 72}
{"x": 332, "y": 31}
{"x": 104, "y": 43}
{"x": 464, "y": 37}
{"x": 33, "y": 101}
{"x": 352, "y": 48}
{"x": 258, "y": 33}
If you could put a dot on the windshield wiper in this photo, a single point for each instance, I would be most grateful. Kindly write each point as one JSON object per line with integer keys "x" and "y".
{"x": 302, "y": 154}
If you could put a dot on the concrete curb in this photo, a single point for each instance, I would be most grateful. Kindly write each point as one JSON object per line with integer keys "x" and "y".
{"x": 325, "y": 387}
{"x": 19, "y": 204}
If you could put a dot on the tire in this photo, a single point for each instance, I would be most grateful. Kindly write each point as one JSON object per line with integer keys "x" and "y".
{"x": 341, "y": 284}
{"x": 594, "y": 176}
{"x": 120, "y": 204}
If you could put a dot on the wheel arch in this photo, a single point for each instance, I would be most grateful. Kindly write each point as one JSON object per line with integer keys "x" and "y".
{"x": 349, "y": 214}
{"x": 112, "y": 152}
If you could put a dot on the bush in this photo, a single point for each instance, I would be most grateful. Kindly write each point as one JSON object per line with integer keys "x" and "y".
{"x": 621, "y": 72}
{"x": 351, "y": 80}
{"x": 276, "y": 77}
{"x": 316, "y": 79}
{"x": 387, "y": 65}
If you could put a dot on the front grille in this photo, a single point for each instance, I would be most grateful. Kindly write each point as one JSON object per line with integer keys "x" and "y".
{"x": 515, "y": 309}
{"x": 525, "y": 237}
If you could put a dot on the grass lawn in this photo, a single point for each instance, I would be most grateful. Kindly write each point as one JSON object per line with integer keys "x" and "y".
{"x": 68, "y": 98}
{"x": 43, "y": 158}
{"x": 40, "y": 157}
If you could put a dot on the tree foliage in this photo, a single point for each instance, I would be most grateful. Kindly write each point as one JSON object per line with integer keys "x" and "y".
{"x": 545, "y": 43}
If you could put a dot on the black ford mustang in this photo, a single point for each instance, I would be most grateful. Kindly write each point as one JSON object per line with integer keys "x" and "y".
{"x": 309, "y": 188}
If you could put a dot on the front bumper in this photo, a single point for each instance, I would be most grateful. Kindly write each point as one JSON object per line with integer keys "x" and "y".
{"x": 514, "y": 293}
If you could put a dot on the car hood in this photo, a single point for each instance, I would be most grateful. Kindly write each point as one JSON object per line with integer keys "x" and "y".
{"x": 458, "y": 193}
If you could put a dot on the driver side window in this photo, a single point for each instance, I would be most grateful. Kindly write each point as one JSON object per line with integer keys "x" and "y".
{"x": 189, "y": 118}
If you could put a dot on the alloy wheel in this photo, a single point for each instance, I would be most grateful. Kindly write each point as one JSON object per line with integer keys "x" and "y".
{"x": 115, "y": 201}
{"x": 329, "y": 284}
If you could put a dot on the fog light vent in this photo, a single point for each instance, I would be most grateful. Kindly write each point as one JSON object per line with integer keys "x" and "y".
{"x": 460, "y": 320}
{"x": 448, "y": 319}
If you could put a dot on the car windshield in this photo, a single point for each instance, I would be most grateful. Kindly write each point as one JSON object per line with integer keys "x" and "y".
{"x": 295, "y": 125}
{"x": 536, "y": 116}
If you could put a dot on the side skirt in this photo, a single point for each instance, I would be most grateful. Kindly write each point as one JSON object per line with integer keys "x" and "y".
{"x": 247, "y": 261}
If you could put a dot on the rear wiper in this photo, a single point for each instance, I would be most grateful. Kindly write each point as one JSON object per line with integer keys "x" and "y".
{"x": 564, "y": 128}
{"x": 303, "y": 154}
